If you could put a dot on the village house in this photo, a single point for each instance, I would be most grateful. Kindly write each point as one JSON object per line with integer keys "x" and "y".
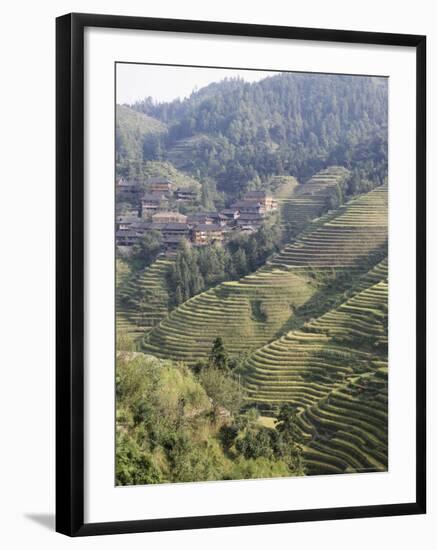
{"x": 159, "y": 185}
{"x": 262, "y": 197}
{"x": 253, "y": 219}
{"x": 141, "y": 226}
{"x": 152, "y": 203}
{"x": 127, "y": 237}
{"x": 131, "y": 212}
{"x": 220, "y": 219}
{"x": 175, "y": 229}
{"x": 185, "y": 195}
{"x": 249, "y": 207}
{"x": 169, "y": 217}
{"x": 125, "y": 222}
{"x": 216, "y": 218}
{"x": 206, "y": 233}
{"x": 128, "y": 188}
{"x": 195, "y": 218}
{"x": 231, "y": 215}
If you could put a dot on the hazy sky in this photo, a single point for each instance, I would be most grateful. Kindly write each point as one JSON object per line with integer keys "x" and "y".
{"x": 163, "y": 83}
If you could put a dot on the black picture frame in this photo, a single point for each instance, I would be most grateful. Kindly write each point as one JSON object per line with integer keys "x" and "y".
{"x": 70, "y": 273}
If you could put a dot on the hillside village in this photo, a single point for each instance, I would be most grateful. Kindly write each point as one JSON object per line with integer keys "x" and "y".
{"x": 252, "y": 281}
{"x": 154, "y": 206}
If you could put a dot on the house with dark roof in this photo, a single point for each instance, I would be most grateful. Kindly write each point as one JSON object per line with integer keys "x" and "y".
{"x": 216, "y": 218}
{"x": 205, "y": 233}
{"x": 127, "y": 237}
{"x": 175, "y": 229}
{"x": 151, "y": 203}
{"x": 252, "y": 219}
{"x": 184, "y": 195}
{"x": 169, "y": 217}
{"x": 194, "y": 218}
{"x": 263, "y": 197}
{"x": 125, "y": 222}
{"x": 128, "y": 188}
{"x": 231, "y": 215}
{"x": 249, "y": 207}
{"x": 159, "y": 185}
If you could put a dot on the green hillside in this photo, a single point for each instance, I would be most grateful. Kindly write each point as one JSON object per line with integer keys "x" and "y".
{"x": 142, "y": 299}
{"x": 167, "y": 170}
{"x": 347, "y": 429}
{"x": 258, "y": 346}
{"x": 132, "y": 128}
{"x": 304, "y": 365}
{"x": 358, "y": 229}
{"x": 311, "y": 199}
{"x": 250, "y": 312}
{"x": 245, "y": 313}
{"x": 290, "y": 124}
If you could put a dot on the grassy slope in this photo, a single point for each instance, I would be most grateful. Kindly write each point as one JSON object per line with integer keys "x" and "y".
{"x": 304, "y": 365}
{"x": 167, "y": 170}
{"x": 131, "y": 127}
{"x": 335, "y": 370}
{"x": 341, "y": 242}
{"x": 142, "y": 299}
{"x": 249, "y": 313}
{"x": 347, "y": 430}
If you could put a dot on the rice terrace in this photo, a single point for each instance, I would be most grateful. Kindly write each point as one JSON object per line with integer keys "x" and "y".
{"x": 252, "y": 278}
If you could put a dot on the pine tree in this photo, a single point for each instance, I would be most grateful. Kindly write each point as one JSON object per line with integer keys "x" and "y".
{"x": 218, "y": 357}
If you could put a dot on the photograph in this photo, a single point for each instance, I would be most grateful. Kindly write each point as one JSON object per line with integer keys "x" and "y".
{"x": 251, "y": 274}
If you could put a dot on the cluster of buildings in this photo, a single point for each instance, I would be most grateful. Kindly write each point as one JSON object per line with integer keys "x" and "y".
{"x": 152, "y": 212}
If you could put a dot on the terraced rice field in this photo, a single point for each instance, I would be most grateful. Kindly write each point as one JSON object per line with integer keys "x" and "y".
{"x": 249, "y": 313}
{"x": 347, "y": 430}
{"x": 142, "y": 301}
{"x": 359, "y": 228}
{"x": 335, "y": 371}
{"x": 245, "y": 313}
{"x": 309, "y": 200}
{"x": 304, "y": 365}
{"x": 333, "y": 367}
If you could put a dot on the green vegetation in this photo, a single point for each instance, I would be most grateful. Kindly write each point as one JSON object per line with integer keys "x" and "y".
{"x": 332, "y": 370}
{"x": 196, "y": 269}
{"x": 266, "y": 355}
{"x": 343, "y": 241}
{"x": 303, "y": 365}
{"x": 174, "y": 426}
{"x": 132, "y": 129}
{"x": 233, "y": 132}
{"x": 347, "y": 430}
{"x": 250, "y": 312}
{"x": 142, "y": 300}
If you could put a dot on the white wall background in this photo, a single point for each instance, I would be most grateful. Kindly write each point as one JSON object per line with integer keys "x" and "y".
{"x": 27, "y": 124}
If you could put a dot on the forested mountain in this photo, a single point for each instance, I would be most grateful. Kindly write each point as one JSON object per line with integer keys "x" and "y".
{"x": 132, "y": 130}
{"x": 234, "y": 134}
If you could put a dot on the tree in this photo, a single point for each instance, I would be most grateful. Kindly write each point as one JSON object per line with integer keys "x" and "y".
{"x": 145, "y": 252}
{"x": 256, "y": 444}
{"x": 222, "y": 389}
{"x": 218, "y": 357}
{"x": 240, "y": 262}
{"x": 289, "y": 441}
{"x": 286, "y": 422}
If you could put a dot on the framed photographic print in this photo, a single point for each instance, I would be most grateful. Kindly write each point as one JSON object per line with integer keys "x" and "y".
{"x": 240, "y": 274}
